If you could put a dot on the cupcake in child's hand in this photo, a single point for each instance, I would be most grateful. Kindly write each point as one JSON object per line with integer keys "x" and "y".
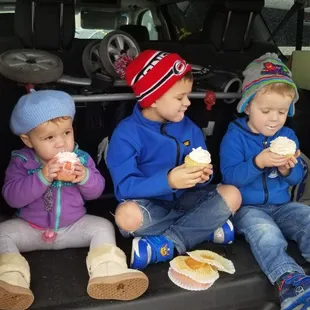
{"x": 68, "y": 161}
{"x": 198, "y": 158}
{"x": 283, "y": 146}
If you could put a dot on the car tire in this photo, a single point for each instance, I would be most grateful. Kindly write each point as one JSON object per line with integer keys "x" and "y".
{"x": 30, "y": 66}
{"x": 90, "y": 60}
{"x": 109, "y": 51}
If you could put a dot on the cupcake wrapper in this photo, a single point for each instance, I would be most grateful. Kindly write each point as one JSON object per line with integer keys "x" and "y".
{"x": 191, "y": 163}
{"x": 213, "y": 259}
{"x": 286, "y": 155}
{"x": 197, "y": 271}
{"x": 186, "y": 282}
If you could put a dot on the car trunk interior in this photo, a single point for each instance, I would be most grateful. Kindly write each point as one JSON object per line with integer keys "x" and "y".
{"x": 59, "y": 278}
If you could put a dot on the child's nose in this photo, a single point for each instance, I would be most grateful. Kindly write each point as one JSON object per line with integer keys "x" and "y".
{"x": 60, "y": 142}
{"x": 187, "y": 102}
{"x": 274, "y": 116}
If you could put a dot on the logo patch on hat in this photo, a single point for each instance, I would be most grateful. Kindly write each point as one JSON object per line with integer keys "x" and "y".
{"x": 270, "y": 68}
{"x": 179, "y": 67}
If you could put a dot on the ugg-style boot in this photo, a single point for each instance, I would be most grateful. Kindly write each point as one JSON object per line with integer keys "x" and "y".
{"x": 14, "y": 282}
{"x": 110, "y": 277}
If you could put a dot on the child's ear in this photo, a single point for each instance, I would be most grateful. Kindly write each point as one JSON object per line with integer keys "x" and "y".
{"x": 26, "y": 141}
{"x": 247, "y": 109}
{"x": 154, "y": 105}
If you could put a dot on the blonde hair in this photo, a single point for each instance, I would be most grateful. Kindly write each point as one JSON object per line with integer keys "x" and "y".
{"x": 59, "y": 119}
{"x": 53, "y": 120}
{"x": 279, "y": 88}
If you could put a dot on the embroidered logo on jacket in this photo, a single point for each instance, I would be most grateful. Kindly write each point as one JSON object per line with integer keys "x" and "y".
{"x": 186, "y": 143}
{"x": 273, "y": 174}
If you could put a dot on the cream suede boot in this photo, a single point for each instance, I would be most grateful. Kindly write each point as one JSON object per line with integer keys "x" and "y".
{"x": 110, "y": 277}
{"x": 14, "y": 282}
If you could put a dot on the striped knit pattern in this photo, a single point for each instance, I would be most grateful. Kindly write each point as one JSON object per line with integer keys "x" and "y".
{"x": 268, "y": 69}
{"x": 153, "y": 73}
{"x": 265, "y": 80}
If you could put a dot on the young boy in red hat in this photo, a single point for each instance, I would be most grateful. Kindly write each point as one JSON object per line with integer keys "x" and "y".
{"x": 163, "y": 204}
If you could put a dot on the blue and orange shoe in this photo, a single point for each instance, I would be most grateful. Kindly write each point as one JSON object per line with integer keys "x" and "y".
{"x": 294, "y": 292}
{"x": 224, "y": 234}
{"x": 150, "y": 249}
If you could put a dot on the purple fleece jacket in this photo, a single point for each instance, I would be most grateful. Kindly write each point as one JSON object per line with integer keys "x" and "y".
{"x": 48, "y": 205}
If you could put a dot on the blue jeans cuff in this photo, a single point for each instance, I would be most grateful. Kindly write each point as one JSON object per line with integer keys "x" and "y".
{"x": 179, "y": 246}
{"x": 281, "y": 270}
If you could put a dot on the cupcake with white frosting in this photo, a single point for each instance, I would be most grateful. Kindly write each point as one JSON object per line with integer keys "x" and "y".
{"x": 68, "y": 161}
{"x": 283, "y": 146}
{"x": 198, "y": 158}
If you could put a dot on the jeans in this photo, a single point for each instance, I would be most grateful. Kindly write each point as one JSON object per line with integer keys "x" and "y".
{"x": 187, "y": 221}
{"x": 266, "y": 228}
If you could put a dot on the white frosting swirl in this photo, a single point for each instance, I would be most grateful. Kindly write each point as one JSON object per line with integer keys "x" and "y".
{"x": 283, "y": 146}
{"x": 63, "y": 157}
{"x": 200, "y": 155}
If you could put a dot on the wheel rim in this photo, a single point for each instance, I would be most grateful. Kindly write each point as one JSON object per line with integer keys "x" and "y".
{"x": 119, "y": 44}
{"x": 30, "y": 61}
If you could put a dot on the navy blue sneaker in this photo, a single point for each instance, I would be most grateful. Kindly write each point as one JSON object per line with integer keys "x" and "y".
{"x": 224, "y": 234}
{"x": 294, "y": 292}
{"x": 150, "y": 249}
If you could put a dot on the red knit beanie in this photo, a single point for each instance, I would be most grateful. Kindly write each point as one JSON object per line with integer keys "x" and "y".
{"x": 152, "y": 73}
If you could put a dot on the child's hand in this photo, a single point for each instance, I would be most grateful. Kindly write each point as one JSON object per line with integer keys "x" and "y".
{"x": 292, "y": 161}
{"x": 206, "y": 174}
{"x": 268, "y": 159}
{"x": 181, "y": 177}
{"x": 80, "y": 172}
{"x": 50, "y": 170}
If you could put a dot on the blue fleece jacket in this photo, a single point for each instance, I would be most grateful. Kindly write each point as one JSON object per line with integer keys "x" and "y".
{"x": 238, "y": 150}
{"x": 142, "y": 152}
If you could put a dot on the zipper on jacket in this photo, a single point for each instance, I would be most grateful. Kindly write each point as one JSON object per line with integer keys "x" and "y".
{"x": 264, "y": 176}
{"x": 163, "y": 131}
{"x": 58, "y": 208}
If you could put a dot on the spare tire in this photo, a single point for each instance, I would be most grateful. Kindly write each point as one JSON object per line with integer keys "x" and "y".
{"x": 91, "y": 59}
{"x": 30, "y": 66}
{"x": 113, "y": 45}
